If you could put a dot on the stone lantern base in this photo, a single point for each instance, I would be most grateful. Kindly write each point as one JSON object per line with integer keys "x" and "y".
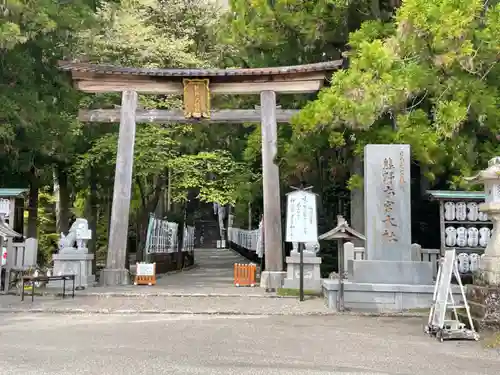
{"x": 490, "y": 270}
{"x": 484, "y": 304}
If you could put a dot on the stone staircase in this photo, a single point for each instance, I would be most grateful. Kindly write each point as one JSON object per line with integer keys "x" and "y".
{"x": 207, "y": 234}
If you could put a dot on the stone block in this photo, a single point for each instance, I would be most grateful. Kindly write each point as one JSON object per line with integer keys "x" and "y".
{"x": 76, "y": 262}
{"x": 312, "y": 273}
{"x": 484, "y": 303}
{"x": 390, "y": 272}
{"x": 272, "y": 280}
{"x": 113, "y": 277}
{"x": 387, "y": 202}
{"x": 381, "y": 298}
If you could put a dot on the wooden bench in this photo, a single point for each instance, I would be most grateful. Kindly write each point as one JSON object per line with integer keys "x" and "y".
{"x": 35, "y": 279}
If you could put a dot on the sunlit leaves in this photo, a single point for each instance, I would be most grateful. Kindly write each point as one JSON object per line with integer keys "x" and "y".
{"x": 448, "y": 117}
{"x": 21, "y": 21}
{"x": 215, "y": 175}
{"x": 149, "y": 33}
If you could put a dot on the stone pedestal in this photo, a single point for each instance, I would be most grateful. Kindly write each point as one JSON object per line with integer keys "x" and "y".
{"x": 490, "y": 261}
{"x": 73, "y": 262}
{"x": 272, "y": 280}
{"x": 110, "y": 277}
{"x": 312, "y": 274}
{"x": 490, "y": 270}
{"x": 390, "y": 272}
{"x": 484, "y": 303}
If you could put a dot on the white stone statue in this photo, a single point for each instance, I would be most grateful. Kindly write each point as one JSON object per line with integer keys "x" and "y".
{"x": 310, "y": 248}
{"x": 78, "y": 234}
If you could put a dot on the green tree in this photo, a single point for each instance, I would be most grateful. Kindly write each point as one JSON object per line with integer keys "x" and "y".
{"x": 430, "y": 79}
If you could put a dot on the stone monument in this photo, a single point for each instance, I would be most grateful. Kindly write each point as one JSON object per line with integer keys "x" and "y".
{"x": 388, "y": 220}
{"x": 389, "y": 277}
{"x": 71, "y": 260}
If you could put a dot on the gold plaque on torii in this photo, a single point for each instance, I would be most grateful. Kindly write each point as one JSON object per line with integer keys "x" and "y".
{"x": 196, "y": 98}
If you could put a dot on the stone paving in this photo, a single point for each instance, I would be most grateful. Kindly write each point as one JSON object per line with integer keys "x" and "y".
{"x": 206, "y": 289}
{"x": 166, "y": 305}
{"x": 40, "y": 344}
{"x": 213, "y": 275}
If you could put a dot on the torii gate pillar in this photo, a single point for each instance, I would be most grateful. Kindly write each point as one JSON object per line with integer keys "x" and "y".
{"x": 115, "y": 272}
{"x": 272, "y": 277}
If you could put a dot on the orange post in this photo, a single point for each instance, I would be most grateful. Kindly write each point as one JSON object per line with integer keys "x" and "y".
{"x": 245, "y": 274}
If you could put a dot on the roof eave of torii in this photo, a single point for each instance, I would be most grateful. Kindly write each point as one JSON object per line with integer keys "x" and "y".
{"x": 285, "y": 79}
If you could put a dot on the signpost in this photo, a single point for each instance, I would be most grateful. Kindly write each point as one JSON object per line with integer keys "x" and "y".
{"x": 301, "y": 224}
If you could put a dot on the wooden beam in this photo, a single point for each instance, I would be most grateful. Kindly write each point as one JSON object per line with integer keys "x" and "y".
{"x": 271, "y": 185}
{"x": 164, "y": 86}
{"x": 177, "y": 116}
{"x": 283, "y": 87}
{"x": 138, "y": 85}
{"x": 115, "y": 272}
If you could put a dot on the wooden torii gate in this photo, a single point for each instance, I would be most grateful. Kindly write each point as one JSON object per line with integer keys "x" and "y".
{"x": 196, "y": 86}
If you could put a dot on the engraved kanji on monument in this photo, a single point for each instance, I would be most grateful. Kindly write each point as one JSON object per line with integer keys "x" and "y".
{"x": 387, "y": 202}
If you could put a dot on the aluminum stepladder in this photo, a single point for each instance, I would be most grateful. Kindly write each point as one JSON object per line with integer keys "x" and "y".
{"x": 443, "y": 300}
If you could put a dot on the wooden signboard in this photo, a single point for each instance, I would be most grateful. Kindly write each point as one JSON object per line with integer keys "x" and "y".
{"x": 301, "y": 220}
{"x": 196, "y": 98}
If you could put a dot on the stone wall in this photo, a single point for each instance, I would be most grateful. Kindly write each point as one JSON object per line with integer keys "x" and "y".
{"x": 484, "y": 302}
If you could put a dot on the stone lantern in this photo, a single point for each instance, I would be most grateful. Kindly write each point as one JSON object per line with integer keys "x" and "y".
{"x": 490, "y": 177}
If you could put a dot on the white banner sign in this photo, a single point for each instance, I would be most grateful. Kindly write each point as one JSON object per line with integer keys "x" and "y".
{"x": 145, "y": 269}
{"x": 301, "y": 221}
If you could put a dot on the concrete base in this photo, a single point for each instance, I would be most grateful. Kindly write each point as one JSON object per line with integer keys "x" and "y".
{"x": 390, "y": 272}
{"x": 272, "y": 280}
{"x": 312, "y": 274}
{"x": 76, "y": 262}
{"x": 484, "y": 303}
{"x": 490, "y": 270}
{"x": 382, "y": 297}
{"x": 112, "y": 277}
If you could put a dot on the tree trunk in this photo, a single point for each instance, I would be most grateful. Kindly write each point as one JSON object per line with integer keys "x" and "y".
{"x": 32, "y": 231}
{"x": 375, "y": 9}
{"x": 62, "y": 200}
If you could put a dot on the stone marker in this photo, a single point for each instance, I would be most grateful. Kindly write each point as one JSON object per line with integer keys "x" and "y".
{"x": 387, "y": 202}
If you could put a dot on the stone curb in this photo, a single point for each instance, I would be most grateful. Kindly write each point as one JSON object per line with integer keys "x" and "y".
{"x": 179, "y": 295}
{"x": 154, "y": 294}
{"x": 93, "y": 311}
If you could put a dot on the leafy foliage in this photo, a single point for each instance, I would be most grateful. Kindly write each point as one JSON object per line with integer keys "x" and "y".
{"x": 429, "y": 81}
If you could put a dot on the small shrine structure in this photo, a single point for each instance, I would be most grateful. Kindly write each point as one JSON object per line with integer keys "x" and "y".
{"x": 18, "y": 254}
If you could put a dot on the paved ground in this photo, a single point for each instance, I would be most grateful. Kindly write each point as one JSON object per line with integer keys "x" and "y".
{"x": 213, "y": 275}
{"x": 162, "y": 304}
{"x": 206, "y": 289}
{"x": 37, "y": 344}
